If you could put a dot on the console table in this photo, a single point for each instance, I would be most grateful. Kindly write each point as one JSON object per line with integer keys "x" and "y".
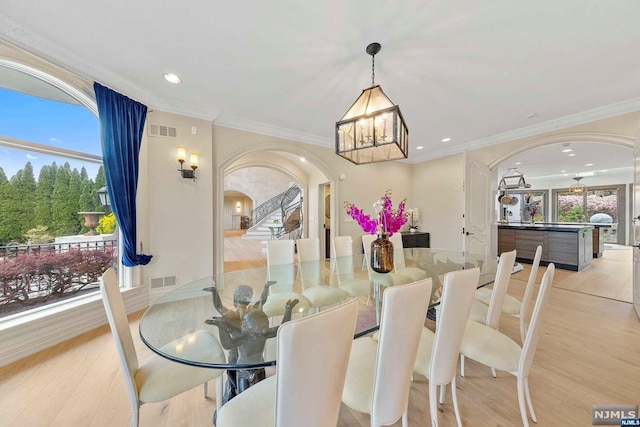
{"x": 416, "y": 239}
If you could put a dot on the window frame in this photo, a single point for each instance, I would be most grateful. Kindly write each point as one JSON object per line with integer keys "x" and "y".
{"x": 124, "y": 277}
{"x": 621, "y": 205}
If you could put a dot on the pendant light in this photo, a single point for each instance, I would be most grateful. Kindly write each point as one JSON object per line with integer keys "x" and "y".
{"x": 373, "y": 129}
{"x": 578, "y": 188}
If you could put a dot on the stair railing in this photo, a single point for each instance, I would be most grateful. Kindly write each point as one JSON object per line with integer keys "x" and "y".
{"x": 273, "y": 204}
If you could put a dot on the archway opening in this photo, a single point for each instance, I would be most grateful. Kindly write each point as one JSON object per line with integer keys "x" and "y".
{"x": 284, "y": 189}
{"x": 606, "y": 170}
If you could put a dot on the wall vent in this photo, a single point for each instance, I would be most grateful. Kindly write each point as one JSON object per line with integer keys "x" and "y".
{"x": 162, "y": 282}
{"x": 162, "y": 131}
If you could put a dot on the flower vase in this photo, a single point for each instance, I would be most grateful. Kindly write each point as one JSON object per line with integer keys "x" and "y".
{"x": 382, "y": 254}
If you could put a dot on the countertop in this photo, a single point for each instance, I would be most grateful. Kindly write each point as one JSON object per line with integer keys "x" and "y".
{"x": 590, "y": 224}
{"x": 564, "y": 227}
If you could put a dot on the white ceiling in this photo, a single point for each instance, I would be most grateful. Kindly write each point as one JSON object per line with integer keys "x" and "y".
{"x": 477, "y": 72}
{"x": 553, "y": 161}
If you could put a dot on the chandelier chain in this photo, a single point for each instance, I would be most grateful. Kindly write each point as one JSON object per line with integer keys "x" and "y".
{"x": 373, "y": 70}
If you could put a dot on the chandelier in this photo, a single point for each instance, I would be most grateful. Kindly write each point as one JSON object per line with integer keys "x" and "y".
{"x": 578, "y": 188}
{"x": 373, "y": 129}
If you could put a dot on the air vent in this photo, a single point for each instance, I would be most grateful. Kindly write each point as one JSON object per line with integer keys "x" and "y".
{"x": 162, "y": 131}
{"x": 162, "y": 282}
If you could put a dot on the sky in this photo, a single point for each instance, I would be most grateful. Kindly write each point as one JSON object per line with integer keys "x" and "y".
{"x": 46, "y": 122}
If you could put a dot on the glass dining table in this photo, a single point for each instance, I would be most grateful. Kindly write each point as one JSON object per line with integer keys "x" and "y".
{"x": 244, "y": 308}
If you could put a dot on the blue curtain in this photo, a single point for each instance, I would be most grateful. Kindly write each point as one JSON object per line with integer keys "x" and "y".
{"x": 121, "y": 126}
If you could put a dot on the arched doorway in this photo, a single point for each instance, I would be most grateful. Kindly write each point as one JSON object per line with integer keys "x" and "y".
{"x": 604, "y": 163}
{"x": 303, "y": 168}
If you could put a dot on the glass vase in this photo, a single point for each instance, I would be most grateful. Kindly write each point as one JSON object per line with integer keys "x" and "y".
{"x": 382, "y": 254}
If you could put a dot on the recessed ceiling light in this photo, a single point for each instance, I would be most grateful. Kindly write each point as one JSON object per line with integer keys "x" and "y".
{"x": 588, "y": 164}
{"x": 419, "y": 147}
{"x": 302, "y": 159}
{"x": 604, "y": 170}
{"x": 518, "y": 163}
{"x": 567, "y": 150}
{"x": 566, "y": 174}
{"x": 562, "y": 171}
{"x": 445, "y": 139}
{"x": 572, "y": 154}
{"x": 172, "y": 78}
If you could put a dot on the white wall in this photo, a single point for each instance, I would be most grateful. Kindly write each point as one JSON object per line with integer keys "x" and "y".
{"x": 259, "y": 183}
{"x": 437, "y": 192}
{"x": 175, "y": 215}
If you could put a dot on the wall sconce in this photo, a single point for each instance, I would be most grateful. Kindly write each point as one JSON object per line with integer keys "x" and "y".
{"x": 238, "y": 207}
{"x": 193, "y": 160}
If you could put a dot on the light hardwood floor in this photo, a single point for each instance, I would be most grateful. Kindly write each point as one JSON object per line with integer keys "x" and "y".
{"x": 589, "y": 354}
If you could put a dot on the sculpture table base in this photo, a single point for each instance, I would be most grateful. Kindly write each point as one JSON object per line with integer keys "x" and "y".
{"x": 238, "y": 380}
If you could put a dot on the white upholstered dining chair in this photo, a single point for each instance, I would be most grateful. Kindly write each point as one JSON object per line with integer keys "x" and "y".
{"x": 305, "y": 391}
{"x": 342, "y": 254}
{"x": 157, "y": 379}
{"x": 281, "y": 269}
{"x": 491, "y": 316}
{"x": 513, "y": 306}
{"x": 318, "y": 293}
{"x": 498, "y": 351}
{"x": 399, "y": 264}
{"x": 437, "y": 357}
{"x": 379, "y": 374}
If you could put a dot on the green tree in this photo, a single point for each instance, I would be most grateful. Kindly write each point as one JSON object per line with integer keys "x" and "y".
{"x": 73, "y": 199}
{"x": 571, "y": 215}
{"x": 27, "y": 198}
{"x": 10, "y": 221}
{"x": 87, "y": 204}
{"x": 97, "y": 185}
{"x": 65, "y": 211}
{"x": 44, "y": 191}
{"x": 4, "y": 183}
{"x": 99, "y": 182}
{"x": 17, "y": 207}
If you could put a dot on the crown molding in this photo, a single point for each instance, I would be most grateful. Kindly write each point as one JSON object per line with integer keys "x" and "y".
{"x": 270, "y": 130}
{"x": 611, "y": 110}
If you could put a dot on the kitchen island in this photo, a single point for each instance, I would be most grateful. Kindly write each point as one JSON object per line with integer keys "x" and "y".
{"x": 598, "y": 234}
{"x": 568, "y": 246}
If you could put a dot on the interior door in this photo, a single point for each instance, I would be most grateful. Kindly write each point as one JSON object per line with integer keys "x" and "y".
{"x": 636, "y": 223}
{"x": 477, "y": 209}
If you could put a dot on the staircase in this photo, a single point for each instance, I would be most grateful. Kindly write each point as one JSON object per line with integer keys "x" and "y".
{"x": 262, "y": 230}
{"x": 278, "y": 217}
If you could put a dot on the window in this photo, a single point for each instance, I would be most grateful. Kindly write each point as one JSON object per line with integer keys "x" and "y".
{"x": 607, "y": 201}
{"x": 524, "y": 204}
{"x": 53, "y": 243}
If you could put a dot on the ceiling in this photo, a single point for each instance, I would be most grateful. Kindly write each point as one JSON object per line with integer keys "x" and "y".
{"x": 584, "y": 159}
{"x": 475, "y": 72}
